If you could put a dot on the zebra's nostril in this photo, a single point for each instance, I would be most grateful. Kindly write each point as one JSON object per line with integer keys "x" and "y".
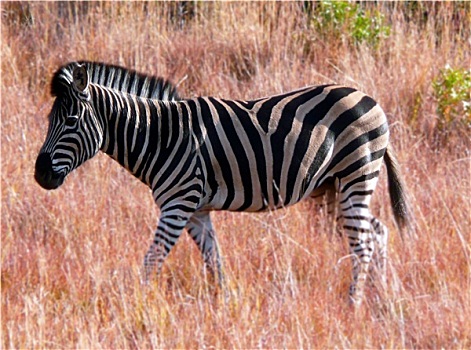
{"x": 44, "y": 175}
{"x": 43, "y": 163}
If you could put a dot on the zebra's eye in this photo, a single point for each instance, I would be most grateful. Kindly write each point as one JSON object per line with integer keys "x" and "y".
{"x": 71, "y": 120}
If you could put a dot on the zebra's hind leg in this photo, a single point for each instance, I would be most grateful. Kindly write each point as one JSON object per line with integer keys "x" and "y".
{"x": 201, "y": 230}
{"x": 356, "y": 223}
{"x": 381, "y": 249}
{"x": 325, "y": 198}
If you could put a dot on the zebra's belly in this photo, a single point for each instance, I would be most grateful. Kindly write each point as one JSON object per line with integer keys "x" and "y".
{"x": 253, "y": 199}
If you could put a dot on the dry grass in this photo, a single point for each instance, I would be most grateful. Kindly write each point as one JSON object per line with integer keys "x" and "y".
{"x": 70, "y": 259}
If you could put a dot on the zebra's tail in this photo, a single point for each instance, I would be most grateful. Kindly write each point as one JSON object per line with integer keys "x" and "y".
{"x": 397, "y": 193}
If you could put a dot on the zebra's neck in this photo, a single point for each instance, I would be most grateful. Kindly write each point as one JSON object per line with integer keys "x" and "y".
{"x": 141, "y": 134}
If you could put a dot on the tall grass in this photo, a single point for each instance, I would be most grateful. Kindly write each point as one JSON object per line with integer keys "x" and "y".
{"x": 71, "y": 258}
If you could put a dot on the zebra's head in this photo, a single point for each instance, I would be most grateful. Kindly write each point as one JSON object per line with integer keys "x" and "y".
{"x": 75, "y": 134}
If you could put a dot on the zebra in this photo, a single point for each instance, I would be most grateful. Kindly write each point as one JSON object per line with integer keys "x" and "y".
{"x": 205, "y": 154}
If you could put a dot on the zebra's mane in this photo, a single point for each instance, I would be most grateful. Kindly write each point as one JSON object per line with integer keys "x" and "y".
{"x": 117, "y": 78}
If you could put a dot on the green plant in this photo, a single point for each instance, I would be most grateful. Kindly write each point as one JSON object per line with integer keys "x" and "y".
{"x": 368, "y": 26}
{"x": 341, "y": 18}
{"x": 452, "y": 91}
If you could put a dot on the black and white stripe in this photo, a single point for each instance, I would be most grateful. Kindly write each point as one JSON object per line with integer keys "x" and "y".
{"x": 207, "y": 153}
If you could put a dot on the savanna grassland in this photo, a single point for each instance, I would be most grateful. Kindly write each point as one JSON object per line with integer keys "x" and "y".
{"x": 71, "y": 258}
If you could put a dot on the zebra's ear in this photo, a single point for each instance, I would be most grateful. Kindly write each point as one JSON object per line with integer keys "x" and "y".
{"x": 81, "y": 79}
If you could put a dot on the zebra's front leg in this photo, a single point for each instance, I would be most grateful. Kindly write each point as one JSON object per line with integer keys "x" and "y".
{"x": 201, "y": 230}
{"x": 168, "y": 231}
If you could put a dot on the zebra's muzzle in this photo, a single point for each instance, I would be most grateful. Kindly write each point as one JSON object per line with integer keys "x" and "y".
{"x": 44, "y": 175}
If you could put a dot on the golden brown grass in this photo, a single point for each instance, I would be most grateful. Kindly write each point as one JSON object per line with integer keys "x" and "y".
{"x": 71, "y": 258}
